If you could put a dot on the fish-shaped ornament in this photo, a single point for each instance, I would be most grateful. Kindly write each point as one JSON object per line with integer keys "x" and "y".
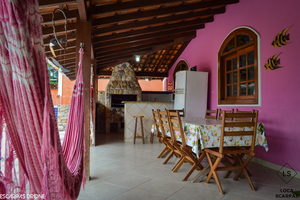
{"x": 281, "y": 39}
{"x": 272, "y": 63}
{"x": 54, "y": 42}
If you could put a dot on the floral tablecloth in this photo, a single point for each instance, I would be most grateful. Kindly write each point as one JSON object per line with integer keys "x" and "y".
{"x": 205, "y": 133}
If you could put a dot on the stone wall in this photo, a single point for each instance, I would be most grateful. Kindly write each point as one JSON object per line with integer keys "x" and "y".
{"x": 122, "y": 81}
{"x": 62, "y": 116}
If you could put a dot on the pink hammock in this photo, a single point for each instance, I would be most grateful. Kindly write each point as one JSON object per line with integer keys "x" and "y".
{"x": 53, "y": 171}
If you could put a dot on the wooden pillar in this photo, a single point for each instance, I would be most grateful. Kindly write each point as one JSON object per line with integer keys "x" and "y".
{"x": 83, "y": 30}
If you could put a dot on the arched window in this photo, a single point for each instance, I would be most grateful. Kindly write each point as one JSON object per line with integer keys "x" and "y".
{"x": 238, "y": 68}
{"x": 181, "y": 65}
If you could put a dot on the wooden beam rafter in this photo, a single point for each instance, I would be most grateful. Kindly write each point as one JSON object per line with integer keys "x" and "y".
{"x": 59, "y": 17}
{"x": 170, "y": 33}
{"x": 162, "y": 59}
{"x": 161, "y": 11}
{"x": 129, "y": 5}
{"x": 157, "y": 21}
{"x": 150, "y": 74}
{"x": 82, "y": 10}
{"x": 145, "y": 42}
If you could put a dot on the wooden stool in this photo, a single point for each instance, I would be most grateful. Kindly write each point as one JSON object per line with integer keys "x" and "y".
{"x": 142, "y": 129}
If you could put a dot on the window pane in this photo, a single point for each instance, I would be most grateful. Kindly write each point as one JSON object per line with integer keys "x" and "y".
{"x": 228, "y": 78}
{"x": 235, "y": 77}
{"x": 228, "y": 65}
{"x": 243, "y": 89}
{"x": 251, "y": 58}
{"x": 243, "y": 60}
{"x": 234, "y": 90}
{"x": 235, "y": 63}
{"x": 229, "y": 91}
{"x": 243, "y": 73}
{"x": 229, "y": 46}
{"x": 250, "y": 73}
{"x": 251, "y": 88}
{"x": 242, "y": 39}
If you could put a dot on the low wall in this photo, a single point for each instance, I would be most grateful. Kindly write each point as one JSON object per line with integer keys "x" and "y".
{"x": 62, "y": 116}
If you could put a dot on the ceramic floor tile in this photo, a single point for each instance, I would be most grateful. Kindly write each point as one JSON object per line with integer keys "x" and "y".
{"x": 232, "y": 196}
{"x": 191, "y": 191}
{"x": 125, "y": 171}
{"x": 101, "y": 174}
{"x": 262, "y": 191}
{"x": 127, "y": 180}
{"x": 148, "y": 171}
{"x": 163, "y": 187}
{"x": 102, "y": 191}
{"x": 136, "y": 194}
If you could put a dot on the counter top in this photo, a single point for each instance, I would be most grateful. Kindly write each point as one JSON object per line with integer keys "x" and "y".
{"x": 147, "y": 102}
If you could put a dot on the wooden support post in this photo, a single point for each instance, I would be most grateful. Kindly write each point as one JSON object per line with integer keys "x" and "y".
{"x": 84, "y": 36}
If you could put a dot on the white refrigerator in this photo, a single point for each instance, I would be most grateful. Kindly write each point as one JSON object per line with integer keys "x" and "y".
{"x": 191, "y": 93}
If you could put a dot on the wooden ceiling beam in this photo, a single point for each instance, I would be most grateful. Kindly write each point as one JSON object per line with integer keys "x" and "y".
{"x": 170, "y": 33}
{"x": 68, "y": 61}
{"x": 154, "y": 49}
{"x": 162, "y": 20}
{"x": 162, "y": 59}
{"x": 47, "y": 3}
{"x": 66, "y": 57}
{"x": 113, "y": 63}
{"x": 129, "y": 5}
{"x": 144, "y": 42}
{"x": 57, "y": 48}
{"x": 117, "y": 59}
{"x": 61, "y": 52}
{"x": 124, "y": 52}
{"x": 58, "y": 29}
{"x": 108, "y": 73}
{"x": 59, "y": 17}
{"x": 63, "y": 55}
{"x": 197, "y": 24}
{"x": 82, "y": 10}
{"x": 161, "y": 11}
{"x": 178, "y": 54}
{"x": 147, "y": 61}
{"x": 70, "y": 36}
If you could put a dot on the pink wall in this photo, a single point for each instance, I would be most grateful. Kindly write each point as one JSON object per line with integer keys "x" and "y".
{"x": 280, "y": 94}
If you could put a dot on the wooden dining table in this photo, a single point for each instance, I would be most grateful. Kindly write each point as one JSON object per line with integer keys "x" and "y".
{"x": 203, "y": 133}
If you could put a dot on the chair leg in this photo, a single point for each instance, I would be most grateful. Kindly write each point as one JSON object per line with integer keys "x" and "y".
{"x": 213, "y": 172}
{"x": 190, "y": 172}
{"x": 245, "y": 171}
{"x": 134, "y": 134}
{"x": 162, "y": 152}
{"x": 142, "y": 130}
{"x": 179, "y": 164}
{"x": 168, "y": 157}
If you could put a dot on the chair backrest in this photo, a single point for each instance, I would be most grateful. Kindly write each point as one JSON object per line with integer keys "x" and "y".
{"x": 174, "y": 119}
{"x": 242, "y": 127}
{"x": 157, "y": 121}
{"x": 212, "y": 114}
{"x": 220, "y": 114}
{"x": 163, "y": 121}
{"x": 243, "y": 119}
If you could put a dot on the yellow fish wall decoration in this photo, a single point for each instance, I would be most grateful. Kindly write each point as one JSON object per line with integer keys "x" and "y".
{"x": 272, "y": 63}
{"x": 281, "y": 39}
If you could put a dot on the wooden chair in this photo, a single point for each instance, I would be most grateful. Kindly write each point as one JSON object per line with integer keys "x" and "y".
{"x": 233, "y": 153}
{"x": 243, "y": 119}
{"x": 212, "y": 114}
{"x": 220, "y": 114}
{"x": 185, "y": 151}
{"x": 159, "y": 135}
{"x": 162, "y": 125}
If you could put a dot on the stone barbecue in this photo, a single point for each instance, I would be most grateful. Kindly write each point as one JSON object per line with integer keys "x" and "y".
{"x": 122, "y": 82}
